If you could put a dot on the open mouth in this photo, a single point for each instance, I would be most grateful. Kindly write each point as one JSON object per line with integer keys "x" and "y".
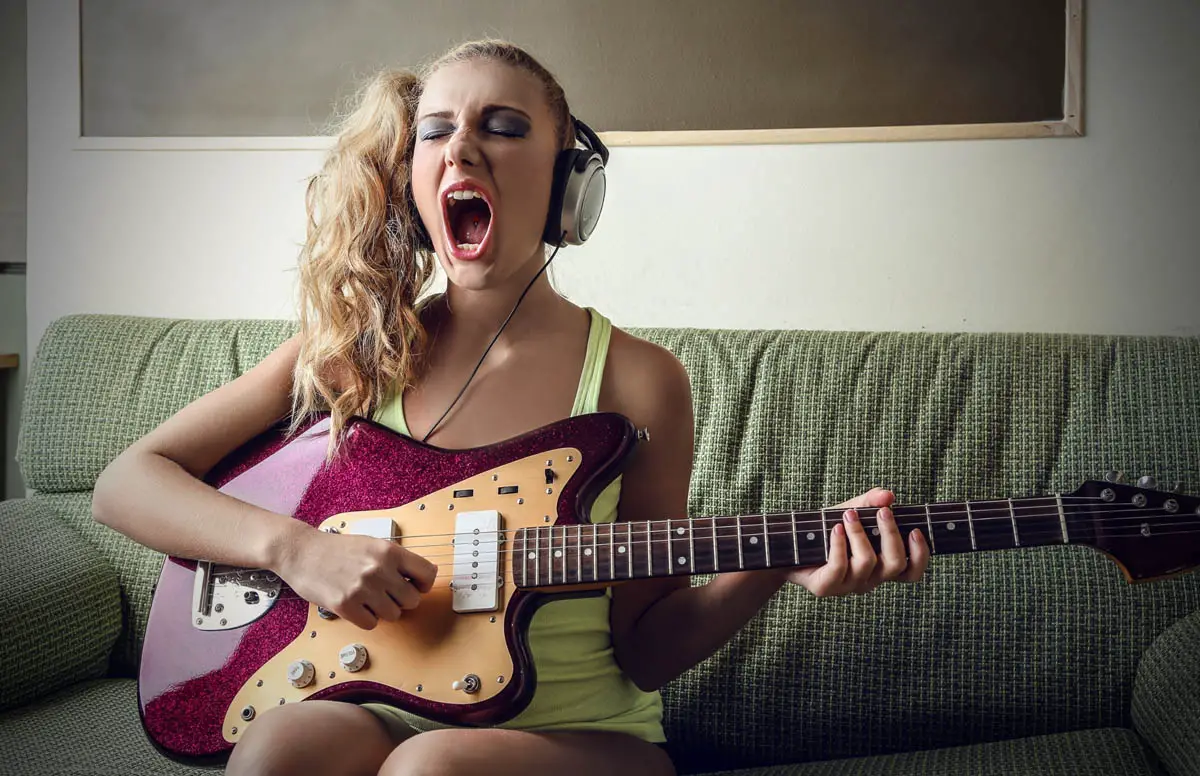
{"x": 468, "y": 222}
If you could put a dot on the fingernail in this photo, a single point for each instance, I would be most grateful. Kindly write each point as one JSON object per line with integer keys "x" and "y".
{"x": 884, "y": 514}
{"x": 850, "y": 516}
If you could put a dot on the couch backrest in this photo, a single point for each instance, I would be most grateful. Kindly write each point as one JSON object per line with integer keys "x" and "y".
{"x": 990, "y": 646}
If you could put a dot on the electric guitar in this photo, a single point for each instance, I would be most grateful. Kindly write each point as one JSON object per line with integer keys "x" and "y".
{"x": 507, "y": 527}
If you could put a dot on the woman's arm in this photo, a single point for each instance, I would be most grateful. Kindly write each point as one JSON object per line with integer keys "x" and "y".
{"x": 663, "y": 627}
{"x": 152, "y": 493}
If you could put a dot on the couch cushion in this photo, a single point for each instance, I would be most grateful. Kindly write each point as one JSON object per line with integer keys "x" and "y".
{"x": 99, "y": 382}
{"x": 60, "y": 606}
{"x": 1100, "y": 752}
{"x": 1166, "y": 697}
{"x": 89, "y": 729}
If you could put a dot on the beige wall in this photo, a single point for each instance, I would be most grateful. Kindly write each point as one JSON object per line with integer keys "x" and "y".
{"x": 1096, "y": 234}
{"x": 12, "y": 231}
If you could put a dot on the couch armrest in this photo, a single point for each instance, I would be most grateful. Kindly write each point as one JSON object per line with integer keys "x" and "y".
{"x": 60, "y": 606}
{"x": 1166, "y": 696}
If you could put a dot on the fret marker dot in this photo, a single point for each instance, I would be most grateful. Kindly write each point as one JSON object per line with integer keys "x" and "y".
{"x": 949, "y": 526}
{"x": 811, "y": 536}
{"x": 587, "y": 551}
{"x": 682, "y": 560}
{"x": 679, "y": 530}
{"x": 754, "y": 540}
{"x": 532, "y": 555}
{"x": 621, "y": 549}
{"x": 558, "y": 553}
{"x": 875, "y": 531}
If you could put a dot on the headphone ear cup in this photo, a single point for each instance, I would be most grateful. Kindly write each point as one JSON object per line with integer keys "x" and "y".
{"x": 564, "y": 164}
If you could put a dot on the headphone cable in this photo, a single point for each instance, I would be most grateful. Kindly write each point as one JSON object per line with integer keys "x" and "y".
{"x": 478, "y": 364}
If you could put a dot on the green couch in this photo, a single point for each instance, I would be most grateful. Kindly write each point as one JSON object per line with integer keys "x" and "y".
{"x": 1034, "y": 661}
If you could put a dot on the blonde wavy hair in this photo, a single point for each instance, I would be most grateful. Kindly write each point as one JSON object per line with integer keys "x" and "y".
{"x": 363, "y": 269}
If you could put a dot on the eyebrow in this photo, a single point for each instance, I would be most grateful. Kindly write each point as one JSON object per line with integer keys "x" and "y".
{"x": 487, "y": 110}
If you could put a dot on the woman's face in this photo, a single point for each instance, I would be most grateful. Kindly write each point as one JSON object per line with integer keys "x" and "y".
{"x": 486, "y": 126}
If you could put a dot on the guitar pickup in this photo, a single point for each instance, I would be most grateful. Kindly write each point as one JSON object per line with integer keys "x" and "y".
{"x": 507, "y": 490}
{"x": 464, "y": 493}
{"x": 476, "y": 582}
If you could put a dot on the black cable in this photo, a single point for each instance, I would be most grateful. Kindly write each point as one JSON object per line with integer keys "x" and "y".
{"x": 429, "y": 433}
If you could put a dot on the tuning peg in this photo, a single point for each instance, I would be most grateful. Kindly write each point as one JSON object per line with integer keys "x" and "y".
{"x": 1148, "y": 482}
{"x": 1115, "y": 476}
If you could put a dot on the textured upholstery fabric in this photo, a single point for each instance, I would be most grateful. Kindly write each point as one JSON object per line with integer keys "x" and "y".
{"x": 59, "y": 605}
{"x": 1166, "y": 697}
{"x": 91, "y": 728}
{"x": 992, "y": 646}
{"x": 99, "y": 382}
{"x": 1100, "y": 752}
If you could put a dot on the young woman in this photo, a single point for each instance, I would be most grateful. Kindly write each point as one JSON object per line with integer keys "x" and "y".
{"x": 487, "y": 117}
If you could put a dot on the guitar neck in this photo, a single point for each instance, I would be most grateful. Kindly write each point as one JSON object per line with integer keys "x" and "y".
{"x": 616, "y": 552}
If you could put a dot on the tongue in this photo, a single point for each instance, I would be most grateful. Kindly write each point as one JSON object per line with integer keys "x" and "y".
{"x": 471, "y": 221}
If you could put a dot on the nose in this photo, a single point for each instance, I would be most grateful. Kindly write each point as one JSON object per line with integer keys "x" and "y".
{"x": 461, "y": 150}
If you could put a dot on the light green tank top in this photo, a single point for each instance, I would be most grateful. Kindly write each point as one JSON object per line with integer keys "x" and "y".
{"x": 579, "y": 684}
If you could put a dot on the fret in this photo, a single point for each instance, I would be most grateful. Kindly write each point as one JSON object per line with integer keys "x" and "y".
{"x": 595, "y": 554}
{"x": 929, "y": 524}
{"x": 766, "y": 541}
{"x": 1062, "y": 518}
{"x": 629, "y": 550}
{"x": 1012, "y": 515}
{"x": 579, "y": 553}
{"x": 971, "y": 525}
{"x": 795, "y": 543}
{"x": 612, "y": 555}
{"x": 692, "y": 545}
{"x": 729, "y": 546}
{"x": 993, "y": 529}
{"x": 670, "y": 552}
{"x": 753, "y": 544}
{"x": 1039, "y": 523}
{"x": 524, "y": 560}
{"x": 825, "y": 533}
{"x": 950, "y": 528}
{"x": 564, "y": 554}
{"x": 738, "y": 525}
{"x": 649, "y": 551}
{"x": 716, "y": 552}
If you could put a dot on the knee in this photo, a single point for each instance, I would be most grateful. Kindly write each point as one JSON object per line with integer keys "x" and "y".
{"x": 432, "y": 753}
{"x": 272, "y": 746}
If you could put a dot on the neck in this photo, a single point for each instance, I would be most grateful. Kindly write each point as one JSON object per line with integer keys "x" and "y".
{"x": 476, "y": 313}
{"x": 582, "y": 554}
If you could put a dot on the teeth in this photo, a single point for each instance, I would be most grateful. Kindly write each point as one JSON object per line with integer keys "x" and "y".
{"x": 464, "y": 194}
{"x": 468, "y": 246}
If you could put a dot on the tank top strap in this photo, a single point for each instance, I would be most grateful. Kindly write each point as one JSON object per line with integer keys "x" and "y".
{"x": 587, "y": 396}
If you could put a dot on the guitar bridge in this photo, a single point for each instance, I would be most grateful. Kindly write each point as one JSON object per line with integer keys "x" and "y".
{"x": 226, "y": 597}
{"x": 476, "y": 582}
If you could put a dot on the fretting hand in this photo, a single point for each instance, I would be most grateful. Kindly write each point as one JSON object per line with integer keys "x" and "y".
{"x": 853, "y": 568}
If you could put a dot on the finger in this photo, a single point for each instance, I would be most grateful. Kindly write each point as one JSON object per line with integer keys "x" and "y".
{"x": 403, "y": 593}
{"x": 875, "y": 497}
{"x": 359, "y": 614}
{"x": 892, "y": 557}
{"x": 421, "y": 571}
{"x": 384, "y": 606}
{"x": 918, "y": 557}
{"x": 862, "y": 554}
{"x": 832, "y": 575}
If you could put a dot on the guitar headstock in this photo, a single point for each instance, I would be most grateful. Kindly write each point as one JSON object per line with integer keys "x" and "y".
{"x": 1151, "y": 533}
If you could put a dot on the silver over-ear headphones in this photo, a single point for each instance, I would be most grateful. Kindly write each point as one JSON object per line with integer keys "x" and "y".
{"x": 577, "y": 193}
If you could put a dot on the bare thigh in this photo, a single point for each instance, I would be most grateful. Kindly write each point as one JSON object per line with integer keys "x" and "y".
{"x": 497, "y": 752}
{"x": 321, "y": 738}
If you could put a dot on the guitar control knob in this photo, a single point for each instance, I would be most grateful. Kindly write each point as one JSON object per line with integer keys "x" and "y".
{"x": 353, "y": 657}
{"x": 301, "y": 673}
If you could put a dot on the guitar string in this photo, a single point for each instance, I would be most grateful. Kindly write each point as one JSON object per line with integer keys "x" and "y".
{"x": 579, "y": 568}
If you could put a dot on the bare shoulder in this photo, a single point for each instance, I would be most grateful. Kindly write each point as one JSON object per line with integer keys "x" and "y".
{"x": 644, "y": 381}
